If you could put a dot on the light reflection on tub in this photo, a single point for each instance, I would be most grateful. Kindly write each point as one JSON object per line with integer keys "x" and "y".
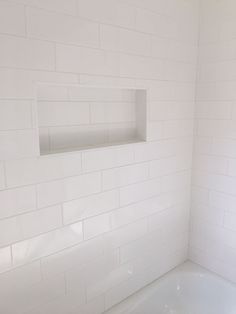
{"x": 189, "y": 289}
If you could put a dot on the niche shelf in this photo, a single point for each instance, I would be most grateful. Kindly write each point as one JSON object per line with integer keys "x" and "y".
{"x": 77, "y": 117}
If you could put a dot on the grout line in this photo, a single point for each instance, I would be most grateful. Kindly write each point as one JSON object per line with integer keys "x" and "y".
{"x": 26, "y": 21}
{"x": 131, "y": 28}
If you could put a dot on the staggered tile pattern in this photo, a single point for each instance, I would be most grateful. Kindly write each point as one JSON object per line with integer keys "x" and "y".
{"x": 79, "y": 232}
{"x": 213, "y": 228}
{"x": 71, "y": 118}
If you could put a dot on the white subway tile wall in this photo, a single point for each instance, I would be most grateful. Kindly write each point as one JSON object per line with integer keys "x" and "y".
{"x": 81, "y": 231}
{"x": 213, "y": 223}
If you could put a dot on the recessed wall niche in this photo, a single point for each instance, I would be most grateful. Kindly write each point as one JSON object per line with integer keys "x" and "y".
{"x": 75, "y": 117}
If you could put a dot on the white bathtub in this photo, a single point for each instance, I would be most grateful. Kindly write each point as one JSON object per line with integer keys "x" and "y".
{"x": 188, "y": 289}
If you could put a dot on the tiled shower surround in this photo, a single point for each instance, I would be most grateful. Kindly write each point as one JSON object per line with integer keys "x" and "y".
{"x": 213, "y": 223}
{"x": 81, "y": 231}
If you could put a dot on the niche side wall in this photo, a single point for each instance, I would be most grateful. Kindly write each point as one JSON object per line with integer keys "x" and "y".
{"x": 213, "y": 215}
{"x": 79, "y": 232}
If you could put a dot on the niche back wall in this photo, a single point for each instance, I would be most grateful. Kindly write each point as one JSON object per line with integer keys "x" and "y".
{"x": 81, "y": 231}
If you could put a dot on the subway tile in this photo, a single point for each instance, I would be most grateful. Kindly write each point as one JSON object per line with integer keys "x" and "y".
{"x": 17, "y": 201}
{"x": 131, "y": 251}
{"x": 73, "y": 303}
{"x": 50, "y": 93}
{"x": 115, "y": 277}
{"x": 217, "y": 128}
{"x": 176, "y": 181}
{"x": 74, "y": 138}
{"x": 177, "y": 218}
{"x": 213, "y": 110}
{"x": 126, "y": 234}
{"x": 101, "y": 94}
{"x": 54, "y": 113}
{"x": 179, "y": 128}
{"x": 154, "y": 150}
{"x": 107, "y": 158}
{"x": 30, "y": 224}
{"x": 205, "y": 236}
{"x": 5, "y": 259}
{"x": 76, "y": 256}
{"x": 171, "y": 110}
{"x": 183, "y": 52}
{"x": 69, "y": 6}
{"x": 108, "y": 12}
{"x": 223, "y": 147}
{"x": 95, "y": 306}
{"x": 113, "y": 112}
{"x": 118, "y": 39}
{"x": 85, "y": 60}
{"x": 18, "y": 144}
{"x": 122, "y": 132}
{"x": 51, "y": 193}
{"x": 61, "y": 28}
{"x": 18, "y": 83}
{"x": 34, "y": 295}
{"x": 90, "y": 206}
{"x": 128, "y": 214}
{"x": 158, "y": 91}
{"x": 121, "y": 112}
{"x": 40, "y": 221}
{"x": 118, "y": 177}
{"x": 232, "y": 167}
{"x": 100, "y": 80}
{"x": 68, "y": 189}
{"x": 154, "y": 131}
{"x": 15, "y": 114}
{"x": 222, "y": 201}
{"x": 160, "y": 47}
{"x": 46, "y": 168}
{"x": 117, "y": 294}
{"x": 93, "y": 271}
{"x": 203, "y": 145}
{"x": 46, "y": 244}
{"x": 2, "y": 176}
{"x": 210, "y": 214}
{"x": 12, "y": 18}
{"x": 96, "y": 225}
{"x": 140, "y": 191}
{"x": 169, "y": 165}
{"x": 229, "y": 254}
{"x": 180, "y": 71}
{"x": 19, "y": 277}
{"x": 141, "y": 67}
{"x": 62, "y": 304}
{"x": 26, "y": 53}
{"x": 157, "y": 261}
{"x": 212, "y": 164}
{"x": 152, "y": 23}
{"x": 155, "y": 6}
{"x": 228, "y": 237}
{"x": 220, "y": 183}
{"x": 230, "y": 220}
{"x": 216, "y": 91}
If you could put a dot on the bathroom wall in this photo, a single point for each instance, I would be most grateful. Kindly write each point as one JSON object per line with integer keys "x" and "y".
{"x": 81, "y": 231}
{"x": 213, "y": 227}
